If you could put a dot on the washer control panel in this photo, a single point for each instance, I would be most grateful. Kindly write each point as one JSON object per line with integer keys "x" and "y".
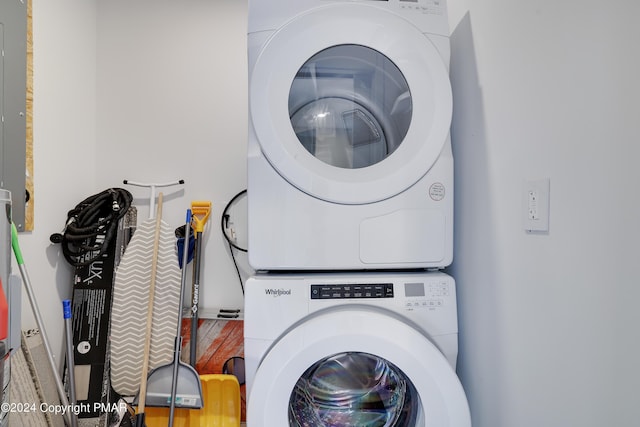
{"x": 411, "y": 296}
{"x": 422, "y": 295}
{"x": 432, "y": 7}
{"x": 350, "y": 290}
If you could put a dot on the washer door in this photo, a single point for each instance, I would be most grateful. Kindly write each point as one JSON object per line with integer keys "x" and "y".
{"x": 356, "y": 365}
{"x": 350, "y": 104}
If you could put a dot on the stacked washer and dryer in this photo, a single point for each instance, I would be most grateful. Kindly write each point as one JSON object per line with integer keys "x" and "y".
{"x": 348, "y": 320}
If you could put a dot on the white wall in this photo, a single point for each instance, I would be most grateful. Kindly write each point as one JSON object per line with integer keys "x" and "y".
{"x": 64, "y": 37}
{"x": 549, "y": 326}
{"x": 172, "y": 100}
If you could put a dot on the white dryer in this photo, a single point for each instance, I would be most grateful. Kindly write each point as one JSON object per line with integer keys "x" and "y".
{"x": 349, "y": 155}
{"x": 353, "y": 349}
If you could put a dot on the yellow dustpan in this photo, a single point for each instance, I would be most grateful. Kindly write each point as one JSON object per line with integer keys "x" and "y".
{"x": 221, "y": 399}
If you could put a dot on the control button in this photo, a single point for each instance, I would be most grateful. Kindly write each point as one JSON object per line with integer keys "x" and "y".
{"x": 439, "y": 289}
{"x": 388, "y": 290}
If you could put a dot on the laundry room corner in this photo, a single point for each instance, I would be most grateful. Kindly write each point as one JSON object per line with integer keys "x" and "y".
{"x": 540, "y": 325}
{"x": 149, "y": 92}
{"x": 117, "y": 103}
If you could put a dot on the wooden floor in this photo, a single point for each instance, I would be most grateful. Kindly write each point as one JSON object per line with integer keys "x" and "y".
{"x": 218, "y": 341}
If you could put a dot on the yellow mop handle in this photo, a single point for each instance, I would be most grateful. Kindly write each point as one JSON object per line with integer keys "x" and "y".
{"x": 200, "y": 210}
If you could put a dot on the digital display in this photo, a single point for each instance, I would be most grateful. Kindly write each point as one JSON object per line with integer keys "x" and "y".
{"x": 414, "y": 290}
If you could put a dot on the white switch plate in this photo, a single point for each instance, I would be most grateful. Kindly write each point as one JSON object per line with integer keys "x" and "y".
{"x": 536, "y": 205}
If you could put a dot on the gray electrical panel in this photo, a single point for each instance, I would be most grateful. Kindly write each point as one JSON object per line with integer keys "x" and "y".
{"x": 13, "y": 100}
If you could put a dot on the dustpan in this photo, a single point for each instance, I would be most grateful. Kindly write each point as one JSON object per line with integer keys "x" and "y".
{"x": 188, "y": 388}
{"x": 221, "y": 396}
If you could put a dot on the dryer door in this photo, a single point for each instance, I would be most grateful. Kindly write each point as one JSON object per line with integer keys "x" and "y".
{"x": 350, "y": 104}
{"x": 356, "y": 366}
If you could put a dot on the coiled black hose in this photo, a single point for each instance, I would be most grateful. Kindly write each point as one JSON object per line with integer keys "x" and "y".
{"x": 92, "y": 225}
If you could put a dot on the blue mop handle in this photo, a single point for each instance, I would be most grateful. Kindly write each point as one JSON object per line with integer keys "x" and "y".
{"x": 66, "y": 309}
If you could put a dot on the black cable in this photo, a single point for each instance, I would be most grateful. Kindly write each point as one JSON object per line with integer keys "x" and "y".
{"x": 92, "y": 225}
{"x": 235, "y": 264}
{"x": 224, "y": 222}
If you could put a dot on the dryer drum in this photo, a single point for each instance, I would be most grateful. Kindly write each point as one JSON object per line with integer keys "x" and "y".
{"x": 343, "y": 133}
{"x": 350, "y": 106}
{"x": 353, "y": 389}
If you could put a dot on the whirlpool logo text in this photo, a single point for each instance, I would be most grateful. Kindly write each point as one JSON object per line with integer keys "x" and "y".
{"x": 277, "y": 292}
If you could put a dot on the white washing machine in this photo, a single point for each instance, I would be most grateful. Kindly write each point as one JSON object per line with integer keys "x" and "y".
{"x": 353, "y": 349}
{"x": 349, "y": 154}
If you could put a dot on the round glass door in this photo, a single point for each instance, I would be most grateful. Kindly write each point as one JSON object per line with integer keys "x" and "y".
{"x": 349, "y": 103}
{"x": 350, "y": 106}
{"x": 353, "y": 389}
{"x": 354, "y": 366}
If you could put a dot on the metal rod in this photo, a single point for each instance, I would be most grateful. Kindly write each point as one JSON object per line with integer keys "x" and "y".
{"x": 66, "y": 310}
{"x": 178, "y": 341}
{"x": 36, "y": 313}
{"x": 195, "y": 300}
